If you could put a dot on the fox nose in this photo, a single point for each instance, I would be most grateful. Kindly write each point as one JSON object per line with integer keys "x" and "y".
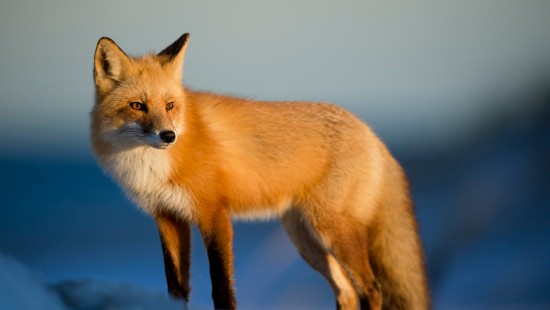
{"x": 168, "y": 136}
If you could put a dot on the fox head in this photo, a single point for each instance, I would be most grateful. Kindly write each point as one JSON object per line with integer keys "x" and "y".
{"x": 139, "y": 101}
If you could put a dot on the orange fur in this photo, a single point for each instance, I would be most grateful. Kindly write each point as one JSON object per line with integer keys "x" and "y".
{"x": 342, "y": 197}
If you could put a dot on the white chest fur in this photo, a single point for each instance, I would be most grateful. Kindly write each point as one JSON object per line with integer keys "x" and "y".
{"x": 144, "y": 173}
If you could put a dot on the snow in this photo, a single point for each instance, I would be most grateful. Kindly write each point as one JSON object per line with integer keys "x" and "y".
{"x": 98, "y": 294}
{"x": 21, "y": 289}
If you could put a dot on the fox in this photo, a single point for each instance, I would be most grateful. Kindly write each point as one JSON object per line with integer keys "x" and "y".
{"x": 199, "y": 159}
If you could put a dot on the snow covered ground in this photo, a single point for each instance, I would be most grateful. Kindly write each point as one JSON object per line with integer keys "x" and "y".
{"x": 20, "y": 288}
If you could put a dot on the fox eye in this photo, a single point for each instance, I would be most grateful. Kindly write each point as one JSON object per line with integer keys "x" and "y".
{"x": 169, "y": 106}
{"x": 137, "y": 105}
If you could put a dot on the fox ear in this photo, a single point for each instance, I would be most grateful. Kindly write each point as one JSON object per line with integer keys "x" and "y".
{"x": 172, "y": 57}
{"x": 110, "y": 62}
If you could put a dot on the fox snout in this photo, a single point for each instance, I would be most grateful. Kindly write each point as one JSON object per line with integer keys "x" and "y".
{"x": 168, "y": 136}
{"x": 133, "y": 134}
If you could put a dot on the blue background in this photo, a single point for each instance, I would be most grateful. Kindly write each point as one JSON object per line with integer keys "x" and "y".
{"x": 459, "y": 90}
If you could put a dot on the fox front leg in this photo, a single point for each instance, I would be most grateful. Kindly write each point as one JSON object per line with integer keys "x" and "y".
{"x": 175, "y": 237}
{"x": 217, "y": 234}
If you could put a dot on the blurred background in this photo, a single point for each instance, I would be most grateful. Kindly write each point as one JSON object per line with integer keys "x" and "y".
{"x": 459, "y": 90}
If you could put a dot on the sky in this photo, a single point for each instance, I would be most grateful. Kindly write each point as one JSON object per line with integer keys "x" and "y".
{"x": 419, "y": 72}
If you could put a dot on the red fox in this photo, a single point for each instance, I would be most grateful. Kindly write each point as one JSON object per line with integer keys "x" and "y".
{"x": 197, "y": 158}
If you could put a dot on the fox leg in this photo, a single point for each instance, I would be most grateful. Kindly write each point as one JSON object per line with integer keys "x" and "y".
{"x": 175, "y": 237}
{"x": 217, "y": 234}
{"x": 348, "y": 242}
{"x": 320, "y": 259}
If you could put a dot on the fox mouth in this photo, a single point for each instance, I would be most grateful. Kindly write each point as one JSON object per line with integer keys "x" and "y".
{"x": 162, "y": 146}
{"x": 154, "y": 142}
